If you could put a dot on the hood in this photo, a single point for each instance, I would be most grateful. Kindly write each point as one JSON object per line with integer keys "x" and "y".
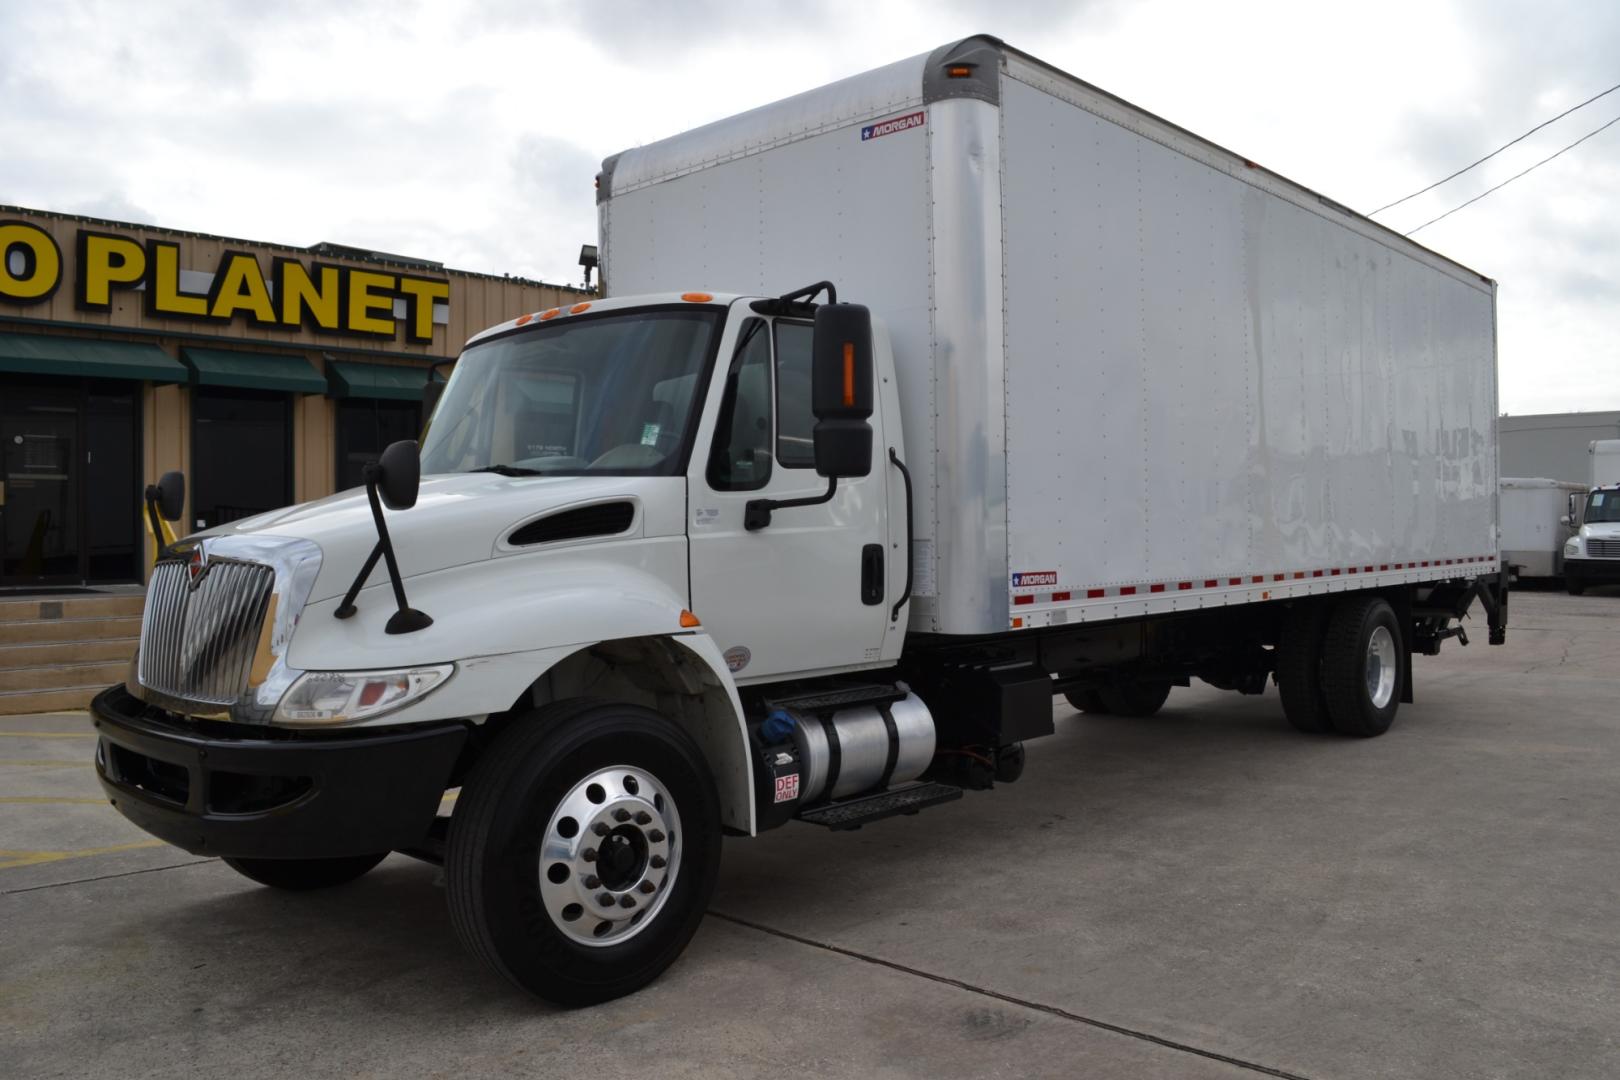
{"x": 1601, "y": 530}
{"x": 458, "y": 518}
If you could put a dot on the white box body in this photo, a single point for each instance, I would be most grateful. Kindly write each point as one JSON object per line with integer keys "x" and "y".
{"x": 1137, "y": 373}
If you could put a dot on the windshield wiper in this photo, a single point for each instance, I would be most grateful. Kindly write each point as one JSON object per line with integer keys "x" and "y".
{"x": 509, "y": 470}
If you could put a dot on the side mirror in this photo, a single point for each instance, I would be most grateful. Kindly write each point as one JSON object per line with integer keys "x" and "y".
{"x": 398, "y": 474}
{"x": 1564, "y": 519}
{"x": 170, "y": 495}
{"x": 841, "y": 390}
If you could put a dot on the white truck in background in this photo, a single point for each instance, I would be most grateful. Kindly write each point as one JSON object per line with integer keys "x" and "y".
{"x": 1113, "y": 409}
{"x": 1535, "y": 525}
{"x": 1592, "y": 555}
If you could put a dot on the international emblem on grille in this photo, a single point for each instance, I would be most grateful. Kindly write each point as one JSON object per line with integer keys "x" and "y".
{"x": 198, "y": 566}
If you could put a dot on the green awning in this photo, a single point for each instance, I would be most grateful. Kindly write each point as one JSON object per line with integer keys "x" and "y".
{"x": 394, "y": 381}
{"x": 37, "y": 354}
{"x": 253, "y": 371}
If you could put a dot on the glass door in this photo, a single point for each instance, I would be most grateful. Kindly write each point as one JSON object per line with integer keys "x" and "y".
{"x": 41, "y": 540}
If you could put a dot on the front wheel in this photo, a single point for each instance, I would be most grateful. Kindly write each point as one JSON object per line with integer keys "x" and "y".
{"x": 302, "y": 875}
{"x": 1574, "y": 584}
{"x": 1363, "y": 666}
{"x": 583, "y": 850}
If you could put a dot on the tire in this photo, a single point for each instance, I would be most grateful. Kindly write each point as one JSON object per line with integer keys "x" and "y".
{"x": 1087, "y": 701}
{"x": 618, "y": 781}
{"x": 1135, "y": 698}
{"x": 1363, "y": 666}
{"x": 1299, "y": 669}
{"x": 302, "y": 875}
{"x": 1574, "y": 584}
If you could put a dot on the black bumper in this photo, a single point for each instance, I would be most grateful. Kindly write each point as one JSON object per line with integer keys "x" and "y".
{"x": 1597, "y": 570}
{"x": 279, "y": 795}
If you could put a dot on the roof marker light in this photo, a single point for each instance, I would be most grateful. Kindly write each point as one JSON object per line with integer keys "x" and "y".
{"x": 959, "y": 71}
{"x": 577, "y": 308}
{"x": 546, "y": 316}
{"x": 696, "y": 297}
{"x": 524, "y": 320}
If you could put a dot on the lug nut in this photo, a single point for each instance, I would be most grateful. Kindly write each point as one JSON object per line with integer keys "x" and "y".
{"x": 589, "y": 854}
{"x": 627, "y": 901}
{"x": 621, "y": 814}
{"x": 646, "y": 887}
{"x": 592, "y": 882}
{"x": 600, "y": 828}
{"x": 656, "y": 836}
{"x": 605, "y": 899}
{"x": 656, "y": 862}
{"x": 643, "y": 818}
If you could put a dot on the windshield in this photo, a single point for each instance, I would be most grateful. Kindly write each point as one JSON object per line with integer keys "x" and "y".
{"x": 1602, "y": 506}
{"x": 611, "y": 395}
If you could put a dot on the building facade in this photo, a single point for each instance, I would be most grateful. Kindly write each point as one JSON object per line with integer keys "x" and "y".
{"x": 268, "y": 374}
{"x": 1552, "y": 445}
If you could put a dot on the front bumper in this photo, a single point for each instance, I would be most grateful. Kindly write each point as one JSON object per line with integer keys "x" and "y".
{"x": 1593, "y": 569}
{"x": 276, "y": 794}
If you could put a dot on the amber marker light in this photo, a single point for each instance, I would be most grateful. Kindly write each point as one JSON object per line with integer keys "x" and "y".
{"x": 524, "y": 320}
{"x": 959, "y": 71}
{"x": 690, "y": 620}
{"x": 546, "y": 316}
{"x": 577, "y": 308}
{"x": 696, "y": 297}
{"x": 849, "y": 374}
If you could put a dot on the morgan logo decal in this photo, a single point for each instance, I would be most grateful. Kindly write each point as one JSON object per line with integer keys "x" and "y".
{"x": 1034, "y": 577}
{"x": 889, "y": 127}
{"x": 787, "y": 787}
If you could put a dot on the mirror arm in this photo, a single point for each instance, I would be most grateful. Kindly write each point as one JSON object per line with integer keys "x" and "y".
{"x": 757, "y": 514}
{"x": 407, "y": 619}
{"x": 152, "y": 517}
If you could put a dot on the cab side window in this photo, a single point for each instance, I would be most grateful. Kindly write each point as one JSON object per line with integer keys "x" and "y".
{"x": 740, "y": 459}
{"x": 795, "y": 423}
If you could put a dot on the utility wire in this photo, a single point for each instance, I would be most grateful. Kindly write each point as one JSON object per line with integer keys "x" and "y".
{"x": 1498, "y": 150}
{"x": 1515, "y": 176}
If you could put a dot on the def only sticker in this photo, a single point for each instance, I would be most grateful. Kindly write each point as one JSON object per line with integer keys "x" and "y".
{"x": 893, "y": 124}
{"x": 1030, "y": 578}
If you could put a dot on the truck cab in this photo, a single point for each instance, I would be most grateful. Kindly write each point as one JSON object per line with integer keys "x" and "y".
{"x": 1592, "y": 555}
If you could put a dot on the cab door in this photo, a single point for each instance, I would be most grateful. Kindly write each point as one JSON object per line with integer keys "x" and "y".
{"x": 806, "y": 593}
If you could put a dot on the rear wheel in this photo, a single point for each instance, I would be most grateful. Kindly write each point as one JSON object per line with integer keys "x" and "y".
{"x": 1299, "y": 669}
{"x": 1363, "y": 666}
{"x": 583, "y": 850}
{"x": 1087, "y": 701}
{"x": 302, "y": 875}
{"x": 1135, "y": 698}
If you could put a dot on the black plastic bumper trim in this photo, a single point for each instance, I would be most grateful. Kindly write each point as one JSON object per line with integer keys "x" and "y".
{"x": 322, "y": 795}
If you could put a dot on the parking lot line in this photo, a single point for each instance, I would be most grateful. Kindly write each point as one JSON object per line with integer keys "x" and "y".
{"x": 47, "y": 734}
{"x": 11, "y": 859}
{"x": 50, "y": 800}
{"x": 27, "y": 763}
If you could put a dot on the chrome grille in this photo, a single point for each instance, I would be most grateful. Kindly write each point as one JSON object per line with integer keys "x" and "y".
{"x": 1603, "y": 549}
{"x": 198, "y": 638}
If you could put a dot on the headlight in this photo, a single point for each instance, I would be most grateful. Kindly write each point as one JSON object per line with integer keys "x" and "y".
{"x": 1572, "y": 547}
{"x": 343, "y": 697}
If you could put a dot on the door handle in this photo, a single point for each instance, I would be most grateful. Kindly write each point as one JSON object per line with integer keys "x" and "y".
{"x": 872, "y": 574}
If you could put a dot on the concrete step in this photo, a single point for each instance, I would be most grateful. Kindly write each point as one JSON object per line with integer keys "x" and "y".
{"x": 98, "y": 605}
{"x": 105, "y": 650}
{"x": 63, "y": 676}
{"x": 39, "y": 701}
{"x": 49, "y": 631}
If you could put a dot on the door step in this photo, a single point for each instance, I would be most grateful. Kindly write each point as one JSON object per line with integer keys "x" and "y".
{"x": 853, "y": 813}
{"x": 847, "y": 697}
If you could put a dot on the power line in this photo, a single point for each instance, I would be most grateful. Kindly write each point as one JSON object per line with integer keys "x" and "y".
{"x": 1515, "y": 176}
{"x": 1498, "y": 150}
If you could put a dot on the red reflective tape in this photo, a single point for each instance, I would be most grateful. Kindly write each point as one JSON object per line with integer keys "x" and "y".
{"x": 1127, "y": 590}
{"x": 1155, "y": 588}
{"x": 1274, "y": 577}
{"x": 1425, "y": 562}
{"x": 1211, "y": 583}
{"x": 1367, "y": 570}
{"x": 1059, "y": 596}
{"x": 1093, "y": 594}
{"x": 1023, "y": 599}
{"x": 1184, "y": 585}
{"x": 1316, "y": 573}
{"x": 1385, "y": 566}
{"x": 1352, "y": 570}
{"x": 1238, "y": 581}
{"x": 1298, "y": 574}
{"x": 1334, "y": 572}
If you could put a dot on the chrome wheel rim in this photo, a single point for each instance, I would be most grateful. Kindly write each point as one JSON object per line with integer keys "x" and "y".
{"x": 1380, "y": 666}
{"x": 610, "y": 855}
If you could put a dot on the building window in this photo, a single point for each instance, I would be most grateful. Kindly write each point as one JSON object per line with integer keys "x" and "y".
{"x": 241, "y": 454}
{"x": 365, "y": 428}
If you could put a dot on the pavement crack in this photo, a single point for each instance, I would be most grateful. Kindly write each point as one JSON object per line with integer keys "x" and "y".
{"x": 103, "y": 877}
{"x": 1009, "y": 999}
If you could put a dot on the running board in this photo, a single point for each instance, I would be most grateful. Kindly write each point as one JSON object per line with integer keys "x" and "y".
{"x": 853, "y": 813}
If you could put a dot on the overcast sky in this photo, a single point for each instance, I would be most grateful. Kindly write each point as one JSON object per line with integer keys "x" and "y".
{"x": 469, "y": 133}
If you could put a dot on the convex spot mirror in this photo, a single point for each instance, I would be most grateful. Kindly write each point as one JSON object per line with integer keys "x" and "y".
{"x": 398, "y": 475}
{"x": 170, "y": 495}
{"x": 841, "y": 389}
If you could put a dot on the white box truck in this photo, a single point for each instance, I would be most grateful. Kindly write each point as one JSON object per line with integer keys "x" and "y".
{"x": 1077, "y": 405}
{"x": 1536, "y": 525}
{"x": 1592, "y": 555}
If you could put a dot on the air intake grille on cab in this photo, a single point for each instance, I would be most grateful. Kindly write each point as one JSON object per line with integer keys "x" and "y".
{"x": 603, "y": 519}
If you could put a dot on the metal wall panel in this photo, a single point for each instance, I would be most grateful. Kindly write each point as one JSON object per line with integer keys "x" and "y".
{"x": 1208, "y": 381}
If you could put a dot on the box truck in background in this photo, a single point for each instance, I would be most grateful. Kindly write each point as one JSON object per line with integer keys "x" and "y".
{"x": 1112, "y": 409}
{"x": 1535, "y": 525}
{"x": 1592, "y": 555}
